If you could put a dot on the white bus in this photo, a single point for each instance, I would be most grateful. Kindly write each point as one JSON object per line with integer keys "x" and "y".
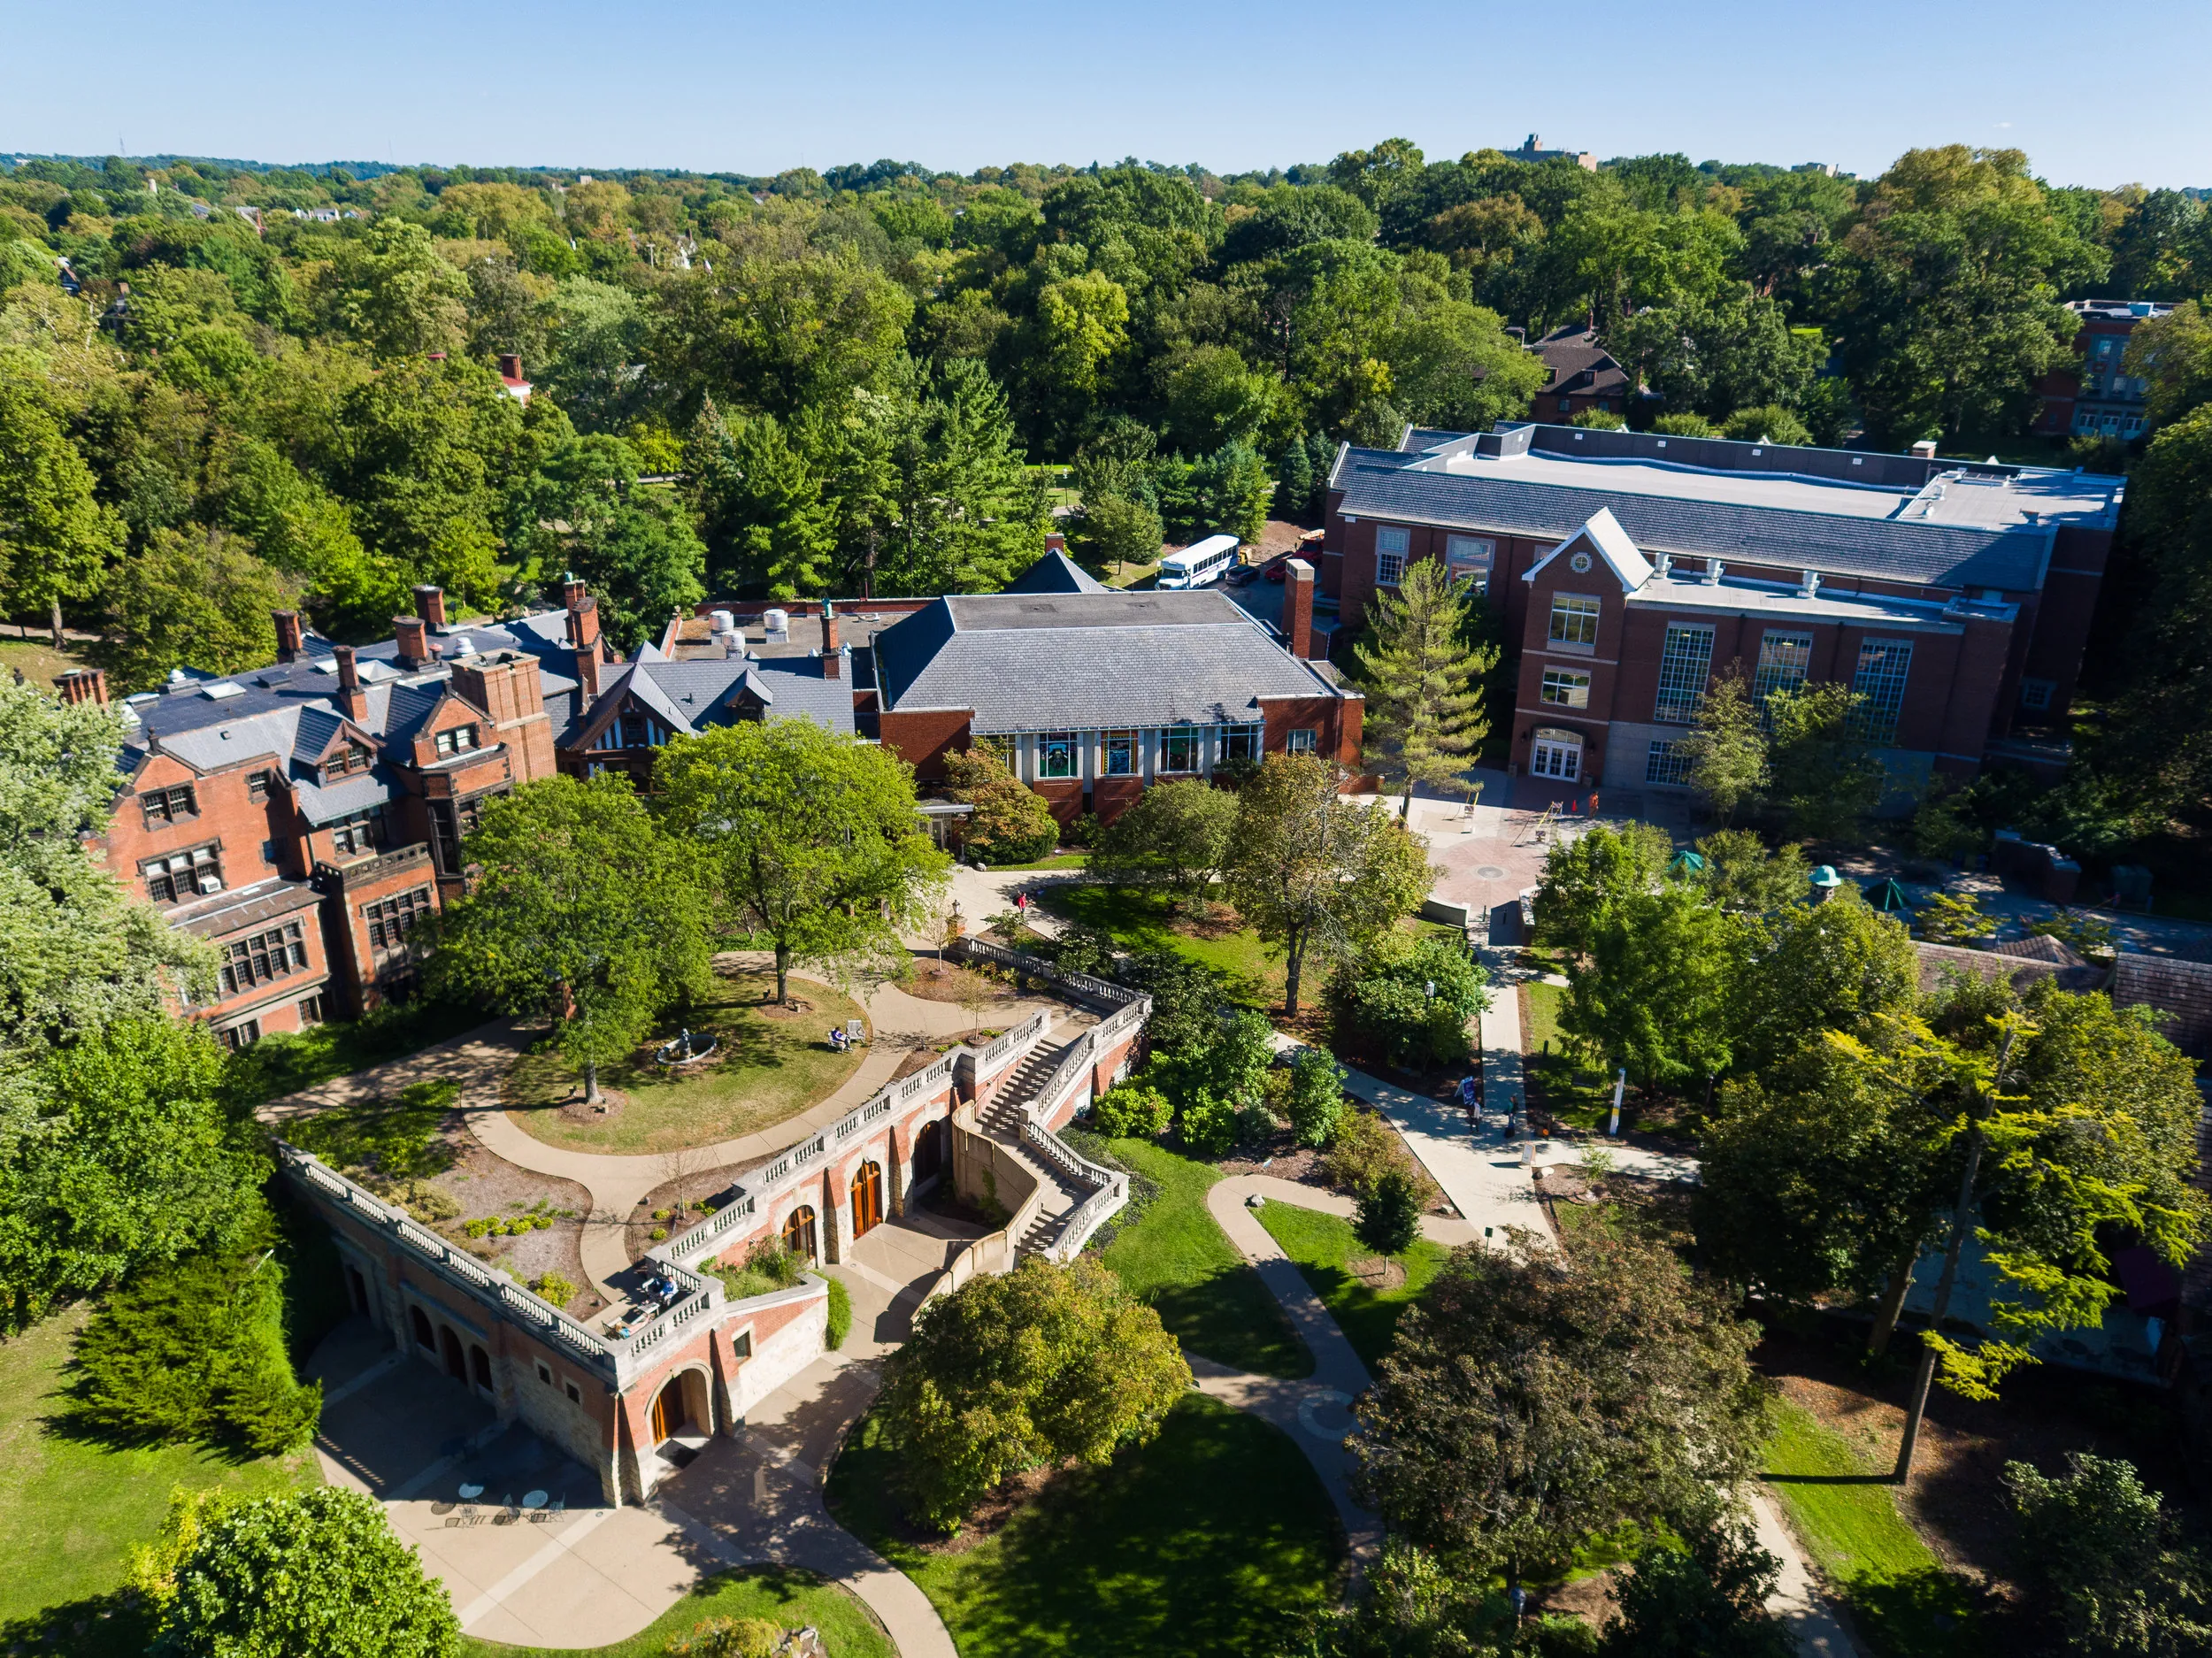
{"x": 1199, "y": 564}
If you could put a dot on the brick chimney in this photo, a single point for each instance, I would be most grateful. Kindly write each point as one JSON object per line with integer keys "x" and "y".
{"x": 583, "y": 635}
{"x": 430, "y": 605}
{"x": 829, "y": 629}
{"x": 351, "y": 697}
{"x": 83, "y": 685}
{"x": 413, "y": 638}
{"x": 511, "y": 365}
{"x": 572, "y": 592}
{"x": 1298, "y": 607}
{"x": 291, "y": 637}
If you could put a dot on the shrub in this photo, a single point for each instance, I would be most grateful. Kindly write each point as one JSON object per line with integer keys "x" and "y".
{"x": 1365, "y": 1148}
{"x": 770, "y": 1267}
{"x": 1408, "y": 1000}
{"x": 729, "y": 1637}
{"x": 1131, "y": 1111}
{"x": 1010, "y": 824}
{"x": 1684, "y": 425}
{"x": 195, "y": 1350}
{"x": 1705, "y": 1598}
{"x": 1599, "y": 419}
{"x": 1767, "y": 423}
{"x": 1317, "y": 1097}
{"x": 1207, "y": 1125}
{"x": 1389, "y": 1218}
{"x": 2100, "y": 1564}
{"x": 840, "y": 1313}
{"x": 658, "y": 1233}
{"x": 551, "y": 1286}
{"x": 322, "y": 1571}
{"x": 1256, "y": 1124}
{"x": 1228, "y": 1059}
{"x": 1014, "y": 1372}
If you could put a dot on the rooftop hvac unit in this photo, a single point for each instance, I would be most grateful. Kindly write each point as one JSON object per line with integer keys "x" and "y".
{"x": 725, "y": 623}
{"x": 778, "y": 625}
{"x": 210, "y": 884}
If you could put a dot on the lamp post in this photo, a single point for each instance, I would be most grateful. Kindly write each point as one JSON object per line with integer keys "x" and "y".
{"x": 1620, "y": 1087}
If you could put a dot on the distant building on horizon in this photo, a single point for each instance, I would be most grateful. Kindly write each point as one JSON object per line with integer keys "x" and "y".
{"x": 1532, "y": 150}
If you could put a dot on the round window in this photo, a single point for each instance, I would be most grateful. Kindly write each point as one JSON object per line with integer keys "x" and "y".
{"x": 1579, "y": 563}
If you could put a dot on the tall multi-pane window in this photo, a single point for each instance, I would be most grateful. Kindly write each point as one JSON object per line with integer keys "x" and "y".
{"x": 1241, "y": 742}
{"x": 1178, "y": 750}
{"x": 1574, "y": 622}
{"x": 1301, "y": 742}
{"x": 1784, "y": 660}
{"x": 361, "y": 832}
{"x": 1055, "y": 755}
{"x": 1390, "y": 555}
{"x": 267, "y": 955}
{"x": 1469, "y": 558}
{"x": 1884, "y": 664}
{"x": 167, "y": 805}
{"x": 1666, "y": 763}
{"x": 1686, "y": 661}
{"x": 1121, "y": 754}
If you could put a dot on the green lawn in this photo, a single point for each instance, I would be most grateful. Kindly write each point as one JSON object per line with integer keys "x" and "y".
{"x": 1324, "y": 1246}
{"x": 1176, "y": 1256}
{"x": 72, "y": 1508}
{"x": 37, "y": 659}
{"x": 1057, "y": 861}
{"x": 782, "y": 1594}
{"x": 1214, "y": 1539}
{"x": 1844, "y": 1508}
{"x": 771, "y": 1069}
{"x": 1582, "y": 1105}
{"x": 1137, "y": 919}
{"x": 282, "y": 1065}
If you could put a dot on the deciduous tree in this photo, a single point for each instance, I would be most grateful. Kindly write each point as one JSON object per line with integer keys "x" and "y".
{"x": 1175, "y": 835}
{"x": 1307, "y": 867}
{"x": 582, "y": 911}
{"x": 809, "y": 837}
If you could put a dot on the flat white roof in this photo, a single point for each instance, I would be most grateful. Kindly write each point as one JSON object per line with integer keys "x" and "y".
{"x": 1967, "y": 500}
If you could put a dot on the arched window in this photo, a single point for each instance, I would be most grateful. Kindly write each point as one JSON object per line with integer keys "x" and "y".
{"x": 358, "y": 1288}
{"x": 423, "y": 1337}
{"x": 929, "y": 1148}
{"x": 798, "y": 1231}
{"x": 481, "y": 1367}
{"x": 867, "y": 1194}
{"x": 450, "y": 1345}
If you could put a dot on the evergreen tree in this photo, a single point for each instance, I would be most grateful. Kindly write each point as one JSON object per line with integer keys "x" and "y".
{"x": 1422, "y": 670}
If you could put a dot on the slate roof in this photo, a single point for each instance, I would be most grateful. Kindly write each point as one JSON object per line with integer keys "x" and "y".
{"x": 1089, "y": 661}
{"x": 1377, "y": 484}
{"x": 1055, "y": 572}
{"x": 694, "y": 696}
{"x": 2179, "y": 992}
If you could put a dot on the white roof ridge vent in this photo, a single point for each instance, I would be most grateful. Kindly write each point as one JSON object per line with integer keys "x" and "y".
{"x": 1714, "y": 570}
{"x": 1809, "y": 585}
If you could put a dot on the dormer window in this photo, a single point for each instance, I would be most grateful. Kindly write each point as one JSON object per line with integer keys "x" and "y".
{"x": 459, "y": 740}
{"x": 351, "y": 759}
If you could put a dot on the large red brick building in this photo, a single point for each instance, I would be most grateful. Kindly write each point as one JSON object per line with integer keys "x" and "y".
{"x": 2090, "y": 396}
{"x": 1632, "y": 568}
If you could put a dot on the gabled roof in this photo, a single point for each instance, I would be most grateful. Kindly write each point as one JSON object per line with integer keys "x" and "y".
{"x": 1573, "y": 352}
{"x": 1603, "y": 537}
{"x": 1055, "y": 572}
{"x": 694, "y": 696}
{"x": 2179, "y": 992}
{"x": 1088, "y": 661}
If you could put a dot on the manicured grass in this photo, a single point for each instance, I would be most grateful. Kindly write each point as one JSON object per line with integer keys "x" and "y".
{"x": 1584, "y": 1106}
{"x": 1137, "y": 919}
{"x": 1176, "y": 1256}
{"x": 1132, "y": 575}
{"x": 282, "y": 1065}
{"x": 1057, "y": 861}
{"x": 73, "y": 1508}
{"x": 782, "y": 1594}
{"x": 1325, "y": 1246}
{"x": 1844, "y": 1508}
{"x": 768, "y": 1069}
{"x": 1216, "y": 1539}
{"x": 37, "y": 659}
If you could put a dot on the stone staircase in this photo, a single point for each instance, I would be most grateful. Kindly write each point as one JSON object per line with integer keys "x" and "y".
{"x": 1001, "y": 1120}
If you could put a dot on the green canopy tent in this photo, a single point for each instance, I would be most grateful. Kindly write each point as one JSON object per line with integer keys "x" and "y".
{"x": 1888, "y": 897}
{"x": 1686, "y": 865}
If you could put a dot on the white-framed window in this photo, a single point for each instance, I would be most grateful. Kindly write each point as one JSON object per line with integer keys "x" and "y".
{"x": 1390, "y": 555}
{"x": 1574, "y": 622}
{"x": 1785, "y": 661}
{"x": 1686, "y": 661}
{"x": 1566, "y": 688}
{"x": 460, "y": 740}
{"x": 1057, "y": 755}
{"x": 1883, "y": 666}
{"x": 1556, "y": 755}
{"x": 1121, "y": 754}
{"x": 1469, "y": 558}
{"x": 1241, "y": 742}
{"x": 1303, "y": 741}
{"x": 1179, "y": 751}
{"x": 1666, "y": 765}
{"x": 2035, "y": 695}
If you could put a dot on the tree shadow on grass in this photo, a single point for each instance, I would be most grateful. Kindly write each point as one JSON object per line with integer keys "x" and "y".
{"x": 1926, "y": 1612}
{"x": 97, "y": 1627}
{"x": 1231, "y": 1319}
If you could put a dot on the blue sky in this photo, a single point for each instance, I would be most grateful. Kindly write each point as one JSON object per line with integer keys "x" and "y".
{"x": 753, "y": 88}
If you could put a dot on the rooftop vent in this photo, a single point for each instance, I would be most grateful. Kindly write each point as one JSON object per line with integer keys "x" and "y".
{"x": 1713, "y": 569}
{"x": 723, "y": 622}
{"x": 1809, "y": 585}
{"x": 778, "y": 623}
{"x": 467, "y": 647}
{"x": 222, "y": 689}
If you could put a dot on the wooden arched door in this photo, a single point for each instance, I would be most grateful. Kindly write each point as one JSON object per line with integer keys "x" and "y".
{"x": 668, "y": 1409}
{"x": 867, "y": 1198}
{"x": 798, "y": 1233}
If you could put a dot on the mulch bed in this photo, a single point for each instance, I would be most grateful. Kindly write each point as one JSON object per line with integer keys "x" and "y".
{"x": 489, "y": 1187}
{"x": 948, "y": 981}
{"x": 637, "y": 1236}
{"x": 790, "y": 1008}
